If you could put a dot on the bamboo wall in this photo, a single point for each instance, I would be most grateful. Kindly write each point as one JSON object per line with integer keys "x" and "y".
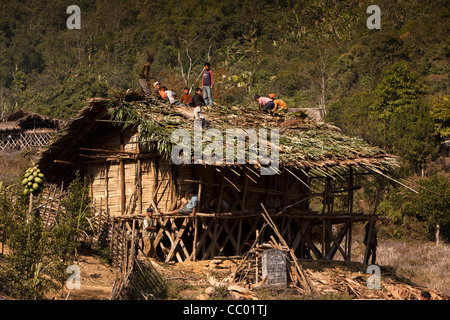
{"x": 156, "y": 181}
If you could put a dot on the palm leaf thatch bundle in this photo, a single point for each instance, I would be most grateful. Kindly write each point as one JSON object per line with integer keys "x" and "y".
{"x": 303, "y": 143}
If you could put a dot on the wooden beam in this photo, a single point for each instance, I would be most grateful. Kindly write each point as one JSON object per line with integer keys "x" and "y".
{"x": 337, "y": 241}
{"x": 110, "y": 151}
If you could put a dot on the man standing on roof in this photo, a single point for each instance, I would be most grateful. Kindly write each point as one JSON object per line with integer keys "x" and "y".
{"x": 144, "y": 77}
{"x": 207, "y": 84}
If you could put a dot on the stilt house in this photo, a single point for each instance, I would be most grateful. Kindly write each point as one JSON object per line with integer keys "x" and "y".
{"x": 26, "y": 130}
{"x": 123, "y": 147}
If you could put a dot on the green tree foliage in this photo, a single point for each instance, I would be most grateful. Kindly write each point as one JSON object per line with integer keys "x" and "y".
{"x": 31, "y": 249}
{"x": 404, "y": 117}
{"x": 74, "y": 222}
{"x": 310, "y": 53}
{"x": 398, "y": 89}
{"x": 28, "y": 248}
{"x": 352, "y": 115}
{"x": 431, "y": 204}
{"x": 440, "y": 113}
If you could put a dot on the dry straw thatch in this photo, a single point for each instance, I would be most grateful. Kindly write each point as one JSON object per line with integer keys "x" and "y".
{"x": 303, "y": 143}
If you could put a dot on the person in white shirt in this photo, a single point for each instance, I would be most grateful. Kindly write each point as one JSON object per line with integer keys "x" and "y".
{"x": 171, "y": 96}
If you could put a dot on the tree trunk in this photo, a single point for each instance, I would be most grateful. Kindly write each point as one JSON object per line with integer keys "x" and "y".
{"x": 438, "y": 234}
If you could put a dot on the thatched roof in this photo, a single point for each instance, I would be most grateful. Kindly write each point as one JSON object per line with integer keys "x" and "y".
{"x": 304, "y": 144}
{"x": 23, "y": 119}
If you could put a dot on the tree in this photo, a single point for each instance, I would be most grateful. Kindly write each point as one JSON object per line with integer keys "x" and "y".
{"x": 431, "y": 203}
{"x": 440, "y": 113}
{"x": 407, "y": 127}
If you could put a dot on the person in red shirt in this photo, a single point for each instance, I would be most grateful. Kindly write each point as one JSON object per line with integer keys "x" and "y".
{"x": 207, "y": 84}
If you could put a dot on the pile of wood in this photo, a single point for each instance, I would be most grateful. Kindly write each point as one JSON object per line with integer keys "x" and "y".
{"x": 141, "y": 281}
{"x": 342, "y": 282}
{"x": 249, "y": 269}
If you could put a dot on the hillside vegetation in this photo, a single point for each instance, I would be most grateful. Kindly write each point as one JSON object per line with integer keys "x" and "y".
{"x": 388, "y": 86}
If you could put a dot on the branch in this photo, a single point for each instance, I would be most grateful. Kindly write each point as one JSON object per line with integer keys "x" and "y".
{"x": 181, "y": 66}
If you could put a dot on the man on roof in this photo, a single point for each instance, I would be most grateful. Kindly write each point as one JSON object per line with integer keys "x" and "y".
{"x": 265, "y": 103}
{"x": 207, "y": 84}
{"x": 280, "y": 105}
{"x": 144, "y": 77}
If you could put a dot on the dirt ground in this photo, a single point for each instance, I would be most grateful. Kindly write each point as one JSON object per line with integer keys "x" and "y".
{"x": 97, "y": 279}
{"x": 208, "y": 279}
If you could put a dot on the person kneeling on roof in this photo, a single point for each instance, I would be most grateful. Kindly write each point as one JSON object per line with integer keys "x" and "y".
{"x": 170, "y": 96}
{"x": 265, "y": 103}
{"x": 280, "y": 105}
{"x": 188, "y": 207}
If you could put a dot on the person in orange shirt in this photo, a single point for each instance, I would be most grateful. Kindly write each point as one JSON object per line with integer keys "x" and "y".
{"x": 280, "y": 105}
{"x": 162, "y": 91}
{"x": 186, "y": 98}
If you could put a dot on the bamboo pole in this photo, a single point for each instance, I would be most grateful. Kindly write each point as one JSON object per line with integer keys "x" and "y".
{"x": 122, "y": 187}
{"x": 139, "y": 186}
{"x": 194, "y": 245}
{"x": 349, "y": 240}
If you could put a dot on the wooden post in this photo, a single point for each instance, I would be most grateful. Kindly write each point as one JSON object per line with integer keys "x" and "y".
{"x": 245, "y": 191}
{"x": 349, "y": 242}
{"x": 139, "y": 186}
{"x": 257, "y": 269}
{"x": 199, "y": 194}
{"x": 122, "y": 187}
{"x": 323, "y": 237}
{"x": 238, "y": 241}
{"x": 122, "y": 177}
{"x": 194, "y": 246}
{"x": 350, "y": 193}
{"x": 106, "y": 187}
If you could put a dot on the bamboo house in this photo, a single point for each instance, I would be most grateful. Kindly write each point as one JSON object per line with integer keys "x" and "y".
{"x": 122, "y": 146}
{"x": 26, "y": 130}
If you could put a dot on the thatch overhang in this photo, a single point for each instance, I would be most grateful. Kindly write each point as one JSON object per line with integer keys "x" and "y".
{"x": 303, "y": 144}
{"x": 25, "y": 120}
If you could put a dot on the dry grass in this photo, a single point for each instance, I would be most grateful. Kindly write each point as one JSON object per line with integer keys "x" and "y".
{"x": 423, "y": 263}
